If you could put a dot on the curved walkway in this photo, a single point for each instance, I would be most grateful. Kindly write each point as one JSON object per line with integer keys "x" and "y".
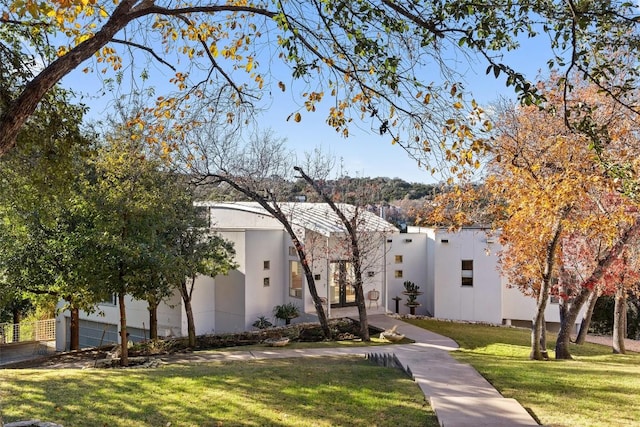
{"x": 458, "y": 394}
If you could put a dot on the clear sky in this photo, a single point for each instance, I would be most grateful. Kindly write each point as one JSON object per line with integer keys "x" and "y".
{"x": 364, "y": 153}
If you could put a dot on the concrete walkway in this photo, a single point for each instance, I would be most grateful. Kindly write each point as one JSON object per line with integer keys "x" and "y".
{"x": 458, "y": 394}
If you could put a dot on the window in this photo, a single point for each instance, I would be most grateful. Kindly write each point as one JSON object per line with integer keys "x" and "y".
{"x": 266, "y": 282}
{"x": 555, "y": 299}
{"x": 295, "y": 279}
{"x": 397, "y": 274}
{"x": 112, "y": 300}
{"x": 266, "y": 265}
{"x": 467, "y": 272}
{"x": 398, "y": 259}
{"x": 292, "y": 251}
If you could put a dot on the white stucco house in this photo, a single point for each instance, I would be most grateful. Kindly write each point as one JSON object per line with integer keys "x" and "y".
{"x": 456, "y": 271}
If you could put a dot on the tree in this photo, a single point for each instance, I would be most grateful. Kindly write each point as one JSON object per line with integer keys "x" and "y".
{"x": 551, "y": 190}
{"x": 198, "y": 251}
{"x": 256, "y": 169}
{"x": 45, "y": 226}
{"x": 369, "y": 56}
{"x": 130, "y": 199}
{"x": 358, "y": 246}
{"x": 545, "y": 191}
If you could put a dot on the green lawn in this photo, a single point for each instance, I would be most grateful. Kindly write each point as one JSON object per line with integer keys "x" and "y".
{"x": 286, "y": 392}
{"x": 598, "y": 388}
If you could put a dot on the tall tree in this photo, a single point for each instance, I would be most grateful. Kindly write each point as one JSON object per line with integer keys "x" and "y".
{"x": 45, "y": 225}
{"x": 129, "y": 197}
{"x": 359, "y": 247}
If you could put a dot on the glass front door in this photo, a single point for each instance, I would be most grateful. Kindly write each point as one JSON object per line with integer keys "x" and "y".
{"x": 341, "y": 281}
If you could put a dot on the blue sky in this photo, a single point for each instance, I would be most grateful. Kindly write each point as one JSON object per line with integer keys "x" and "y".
{"x": 364, "y": 153}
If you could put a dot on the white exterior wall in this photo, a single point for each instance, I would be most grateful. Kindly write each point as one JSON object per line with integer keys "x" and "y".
{"x": 265, "y": 245}
{"x": 518, "y": 306}
{"x": 413, "y": 267}
{"x": 481, "y": 302}
{"x": 229, "y": 294}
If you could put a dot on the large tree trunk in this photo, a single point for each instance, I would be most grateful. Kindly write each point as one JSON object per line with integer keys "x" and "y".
{"x": 124, "y": 339}
{"x": 568, "y": 321}
{"x": 153, "y": 320}
{"x": 20, "y": 109}
{"x": 619, "y": 319}
{"x": 586, "y": 319}
{"x": 74, "y": 339}
{"x": 186, "y": 299}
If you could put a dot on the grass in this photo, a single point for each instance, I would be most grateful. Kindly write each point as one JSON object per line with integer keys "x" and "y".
{"x": 284, "y": 392}
{"x": 597, "y": 388}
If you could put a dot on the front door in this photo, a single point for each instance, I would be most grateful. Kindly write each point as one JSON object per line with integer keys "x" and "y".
{"x": 341, "y": 281}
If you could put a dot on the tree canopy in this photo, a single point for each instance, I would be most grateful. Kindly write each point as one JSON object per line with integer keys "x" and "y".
{"x": 387, "y": 62}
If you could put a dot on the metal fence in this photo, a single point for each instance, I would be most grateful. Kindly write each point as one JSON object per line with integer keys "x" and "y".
{"x": 41, "y": 330}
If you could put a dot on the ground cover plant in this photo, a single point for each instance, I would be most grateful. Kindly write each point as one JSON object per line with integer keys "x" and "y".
{"x": 597, "y": 388}
{"x": 283, "y": 392}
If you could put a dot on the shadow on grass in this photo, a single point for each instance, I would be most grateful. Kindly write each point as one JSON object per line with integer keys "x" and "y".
{"x": 297, "y": 392}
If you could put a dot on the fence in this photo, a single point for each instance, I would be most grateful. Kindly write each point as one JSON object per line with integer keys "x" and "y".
{"x": 41, "y": 330}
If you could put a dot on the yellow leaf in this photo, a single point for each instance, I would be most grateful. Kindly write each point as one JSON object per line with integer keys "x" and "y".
{"x": 281, "y": 86}
{"x": 103, "y": 13}
{"x": 297, "y": 117}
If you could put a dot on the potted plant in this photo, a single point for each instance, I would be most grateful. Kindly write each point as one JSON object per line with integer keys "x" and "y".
{"x": 411, "y": 290}
{"x": 286, "y": 312}
{"x": 262, "y": 323}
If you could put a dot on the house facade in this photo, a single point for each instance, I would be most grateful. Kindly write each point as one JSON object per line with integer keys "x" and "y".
{"x": 456, "y": 272}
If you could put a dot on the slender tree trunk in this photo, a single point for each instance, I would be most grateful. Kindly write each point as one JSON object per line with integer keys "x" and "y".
{"x": 355, "y": 252}
{"x": 74, "y": 339}
{"x": 586, "y": 319}
{"x": 124, "y": 339}
{"x": 539, "y": 326}
{"x": 538, "y": 335}
{"x": 153, "y": 320}
{"x": 186, "y": 299}
{"x": 619, "y": 319}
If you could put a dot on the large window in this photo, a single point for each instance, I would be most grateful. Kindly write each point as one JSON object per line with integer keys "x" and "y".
{"x": 467, "y": 272}
{"x": 295, "y": 279}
